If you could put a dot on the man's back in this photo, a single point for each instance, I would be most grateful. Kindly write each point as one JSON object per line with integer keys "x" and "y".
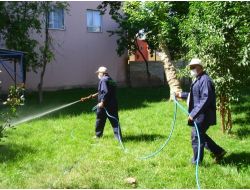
{"x": 202, "y": 104}
{"x": 107, "y": 90}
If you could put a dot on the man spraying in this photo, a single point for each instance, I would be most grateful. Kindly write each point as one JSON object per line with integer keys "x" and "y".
{"x": 202, "y": 110}
{"x": 107, "y": 102}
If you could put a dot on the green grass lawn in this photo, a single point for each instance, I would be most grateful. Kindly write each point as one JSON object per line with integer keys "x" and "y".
{"x": 58, "y": 151}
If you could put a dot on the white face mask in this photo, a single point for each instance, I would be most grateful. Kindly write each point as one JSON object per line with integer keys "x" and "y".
{"x": 193, "y": 73}
{"x": 100, "y": 75}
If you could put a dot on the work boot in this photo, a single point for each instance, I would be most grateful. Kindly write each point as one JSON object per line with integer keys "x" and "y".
{"x": 219, "y": 157}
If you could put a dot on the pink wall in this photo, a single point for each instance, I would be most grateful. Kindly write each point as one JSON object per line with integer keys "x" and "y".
{"x": 79, "y": 53}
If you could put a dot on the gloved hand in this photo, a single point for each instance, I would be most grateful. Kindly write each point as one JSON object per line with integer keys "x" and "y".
{"x": 100, "y": 105}
{"x": 190, "y": 119}
{"x": 177, "y": 94}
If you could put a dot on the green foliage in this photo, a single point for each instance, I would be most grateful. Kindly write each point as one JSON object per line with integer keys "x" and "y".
{"x": 158, "y": 22}
{"x": 17, "y": 20}
{"x": 183, "y": 72}
{"x": 218, "y": 33}
{"x": 20, "y": 19}
{"x": 46, "y": 50}
{"x": 14, "y": 100}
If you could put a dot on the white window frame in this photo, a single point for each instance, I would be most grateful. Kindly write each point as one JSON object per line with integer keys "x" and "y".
{"x": 52, "y": 24}
{"x": 91, "y": 28}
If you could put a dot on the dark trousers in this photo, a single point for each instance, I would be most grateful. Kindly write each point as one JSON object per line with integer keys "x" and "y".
{"x": 205, "y": 142}
{"x": 101, "y": 117}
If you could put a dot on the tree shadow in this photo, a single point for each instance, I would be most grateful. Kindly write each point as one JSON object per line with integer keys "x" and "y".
{"x": 242, "y": 121}
{"x": 243, "y": 132}
{"x": 142, "y": 137}
{"x": 131, "y": 98}
{"x": 240, "y": 160}
{"x": 243, "y": 106}
{"x": 13, "y": 152}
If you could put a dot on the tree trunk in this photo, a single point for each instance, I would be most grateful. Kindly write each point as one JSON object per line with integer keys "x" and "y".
{"x": 222, "y": 113}
{"x": 225, "y": 113}
{"x": 229, "y": 120}
{"x": 40, "y": 85}
{"x": 44, "y": 56}
{"x": 170, "y": 71}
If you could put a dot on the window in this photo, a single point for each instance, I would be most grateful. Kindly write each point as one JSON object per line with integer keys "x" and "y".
{"x": 56, "y": 18}
{"x": 93, "y": 21}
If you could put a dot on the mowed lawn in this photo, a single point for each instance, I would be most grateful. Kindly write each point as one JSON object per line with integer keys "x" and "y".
{"x": 58, "y": 151}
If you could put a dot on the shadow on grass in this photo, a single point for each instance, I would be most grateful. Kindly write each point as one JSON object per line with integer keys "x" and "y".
{"x": 240, "y": 160}
{"x": 130, "y": 98}
{"x": 13, "y": 152}
{"x": 243, "y": 132}
{"x": 242, "y": 107}
{"x": 142, "y": 137}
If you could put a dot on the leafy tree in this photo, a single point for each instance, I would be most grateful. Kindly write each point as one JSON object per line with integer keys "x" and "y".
{"x": 9, "y": 108}
{"x": 124, "y": 43}
{"x": 18, "y": 21}
{"x": 46, "y": 49}
{"x": 218, "y": 33}
{"x": 158, "y": 22}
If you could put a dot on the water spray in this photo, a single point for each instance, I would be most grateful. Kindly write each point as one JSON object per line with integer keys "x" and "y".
{"x": 49, "y": 111}
{"x": 43, "y": 114}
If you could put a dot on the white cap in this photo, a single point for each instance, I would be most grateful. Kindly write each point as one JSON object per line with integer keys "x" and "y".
{"x": 102, "y": 70}
{"x": 195, "y": 61}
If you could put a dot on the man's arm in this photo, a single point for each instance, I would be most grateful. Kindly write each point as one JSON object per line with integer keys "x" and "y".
{"x": 94, "y": 95}
{"x": 104, "y": 93}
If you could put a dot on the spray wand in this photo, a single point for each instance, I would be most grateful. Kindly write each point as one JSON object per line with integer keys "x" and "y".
{"x": 88, "y": 97}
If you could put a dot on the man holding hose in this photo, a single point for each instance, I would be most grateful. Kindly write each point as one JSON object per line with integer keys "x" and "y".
{"x": 106, "y": 100}
{"x": 202, "y": 110}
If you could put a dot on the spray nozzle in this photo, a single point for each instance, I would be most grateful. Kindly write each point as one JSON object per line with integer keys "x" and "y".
{"x": 94, "y": 108}
{"x": 22, "y": 97}
{"x": 22, "y": 100}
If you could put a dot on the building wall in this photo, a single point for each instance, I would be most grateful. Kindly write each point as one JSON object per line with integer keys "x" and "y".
{"x": 138, "y": 75}
{"x": 78, "y": 53}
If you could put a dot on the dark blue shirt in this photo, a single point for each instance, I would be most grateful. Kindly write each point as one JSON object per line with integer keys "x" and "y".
{"x": 202, "y": 100}
{"x": 107, "y": 91}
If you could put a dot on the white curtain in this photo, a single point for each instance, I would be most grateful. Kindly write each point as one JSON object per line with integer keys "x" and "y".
{"x": 93, "y": 21}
